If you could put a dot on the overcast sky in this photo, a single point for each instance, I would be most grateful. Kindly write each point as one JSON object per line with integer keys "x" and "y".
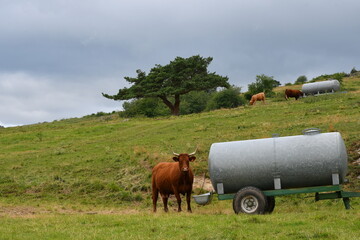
{"x": 58, "y": 56}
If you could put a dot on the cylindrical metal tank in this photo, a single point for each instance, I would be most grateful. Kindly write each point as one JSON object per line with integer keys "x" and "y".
{"x": 321, "y": 87}
{"x": 312, "y": 159}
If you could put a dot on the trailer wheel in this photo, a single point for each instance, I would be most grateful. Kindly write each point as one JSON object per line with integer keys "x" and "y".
{"x": 270, "y": 204}
{"x": 249, "y": 200}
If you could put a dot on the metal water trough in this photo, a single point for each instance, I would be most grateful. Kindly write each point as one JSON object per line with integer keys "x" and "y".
{"x": 253, "y": 172}
{"x": 203, "y": 199}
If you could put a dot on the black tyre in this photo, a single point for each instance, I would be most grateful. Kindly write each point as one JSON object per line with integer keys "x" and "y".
{"x": 250, "y": 200}
{"x": 269, "y": 208}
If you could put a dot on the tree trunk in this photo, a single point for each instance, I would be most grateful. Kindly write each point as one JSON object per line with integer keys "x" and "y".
{"x": 177, "y": 105}
{"x": 174, "y": 108}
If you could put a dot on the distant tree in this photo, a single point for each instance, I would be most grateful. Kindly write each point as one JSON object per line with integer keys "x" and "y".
{"x": 227, "y": 98}
{"x": 353, "y": 71}
{"x": 301, "y": 80}
{"x": 263, "y": 83}
{"x": 177, "y": 78}
{"x": 288, "y": 84}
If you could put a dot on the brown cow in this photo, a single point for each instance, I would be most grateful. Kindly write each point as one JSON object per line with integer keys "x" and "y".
{"x": 293, "y": 93}
{"x": 173, "y": 178}
{"x": 257, "y": 97}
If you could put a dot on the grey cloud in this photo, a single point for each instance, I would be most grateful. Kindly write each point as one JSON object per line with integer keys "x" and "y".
{"x": 74, "y": 50}
{"x": 32, "y": 99}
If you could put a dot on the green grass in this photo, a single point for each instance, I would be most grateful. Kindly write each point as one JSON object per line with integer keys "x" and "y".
{"x": 299, "y": 220}
{"x": 53, "y": 174}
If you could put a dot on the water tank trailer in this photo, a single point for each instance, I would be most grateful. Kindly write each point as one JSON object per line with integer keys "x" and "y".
{"x": 329, "y": 86}
{"x": 253, "y": 172}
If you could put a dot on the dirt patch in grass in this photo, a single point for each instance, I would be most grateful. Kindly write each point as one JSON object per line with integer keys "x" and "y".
{"x": 354, "y": 166}
{"x": 201, "y": 183}
{"x": 354, "y": 152}
{"x": 33, "y": 212}
{"x": 19, "y": 211}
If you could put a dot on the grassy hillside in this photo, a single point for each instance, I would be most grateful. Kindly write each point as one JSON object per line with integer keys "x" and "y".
{"x": 89, "y": 178}
{"x": 302, "y": 223}
{"x": 107, "y": 160}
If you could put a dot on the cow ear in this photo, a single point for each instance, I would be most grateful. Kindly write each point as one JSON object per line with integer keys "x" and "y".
{"x": 192, "y": 158}
{"x": 176, "y": 159}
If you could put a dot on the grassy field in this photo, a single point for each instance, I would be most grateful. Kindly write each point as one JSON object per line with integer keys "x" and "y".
{"x": 89, "y": 178}
{"x": 295, "y": 218}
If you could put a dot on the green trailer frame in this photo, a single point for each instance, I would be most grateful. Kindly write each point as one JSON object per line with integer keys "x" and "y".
{"x": 321, "y": 193}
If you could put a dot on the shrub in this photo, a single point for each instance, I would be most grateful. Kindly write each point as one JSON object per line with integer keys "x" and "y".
{"x": 194, "y": 102}
{"x": 301, "y": 80}
{"x": 279, "y": 97}
{"x": 228, "y": 98}
{"x": 148, "y": 107}
{"x": 353, "y": 71}
{"x": 337, "y": 76}
{"x": 248, "y": 95}
{"x": 100, "y": 114}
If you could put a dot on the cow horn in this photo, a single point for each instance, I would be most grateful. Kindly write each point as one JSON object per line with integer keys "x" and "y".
{"x": 193, "y": 153}
{"x": 176, "y": 154}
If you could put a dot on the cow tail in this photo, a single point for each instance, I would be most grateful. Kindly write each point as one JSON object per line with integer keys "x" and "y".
{"x": 155, "y": 192}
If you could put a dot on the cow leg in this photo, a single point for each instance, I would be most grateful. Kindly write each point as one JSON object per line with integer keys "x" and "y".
{"x": 165, "y": 201}
{"x": 178, "y": 198}
{"x": 188, "y": 196}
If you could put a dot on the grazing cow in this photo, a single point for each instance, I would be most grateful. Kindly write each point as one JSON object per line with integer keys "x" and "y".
{"x": 173, "y": 178}
{"x": 257, "y": 97}
{"x": 293, "y": 93}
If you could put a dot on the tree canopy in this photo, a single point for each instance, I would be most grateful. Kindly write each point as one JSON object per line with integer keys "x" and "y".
{"x": 180, "y": 76}
{"x": 263, "y": 84}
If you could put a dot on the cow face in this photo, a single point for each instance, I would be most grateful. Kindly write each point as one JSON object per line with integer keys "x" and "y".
{"x": 184, "y": 161}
